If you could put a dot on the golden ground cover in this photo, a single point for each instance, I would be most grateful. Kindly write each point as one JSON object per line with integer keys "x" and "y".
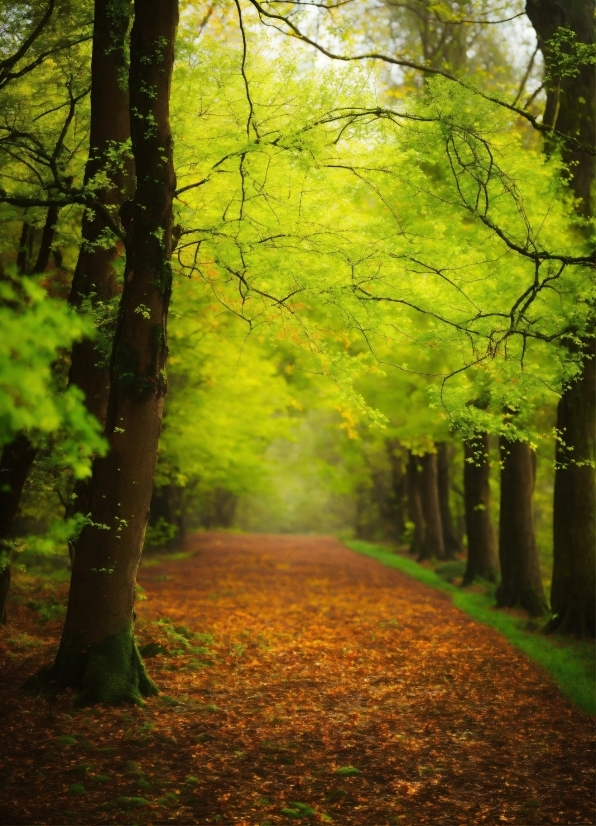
{"x": 300, "y": 682}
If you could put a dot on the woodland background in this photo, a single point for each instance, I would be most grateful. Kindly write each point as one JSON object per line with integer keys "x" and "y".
{"x": 371, "y": 226}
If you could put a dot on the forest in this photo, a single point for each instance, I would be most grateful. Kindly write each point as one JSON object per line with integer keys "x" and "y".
{"x": 297, "y": 411}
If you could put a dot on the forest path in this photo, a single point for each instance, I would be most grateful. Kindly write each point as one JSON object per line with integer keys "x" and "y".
{"x": 324, "y": 686}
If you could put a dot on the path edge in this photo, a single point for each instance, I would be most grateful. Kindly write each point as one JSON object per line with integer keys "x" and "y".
{"x": 566, "y": 667}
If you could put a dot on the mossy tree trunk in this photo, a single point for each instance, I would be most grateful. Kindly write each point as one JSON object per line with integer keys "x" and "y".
{"x": 450, "y": 539}
{"x": 415, "y": 503}
{"x": 482, "y": 552}
{"x": 571, "y": 109}
{"x": 521, "y": 583}
{"x": 97, "y": 652}
{"x": 433, "y": 545}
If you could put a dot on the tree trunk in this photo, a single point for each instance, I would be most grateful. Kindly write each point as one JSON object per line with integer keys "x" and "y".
{"x": 98, "y": 653}
{"x": 167, "y": 506}
{"x": 573, "y": 586}
{"x": 570, "y": 101}
{"x": 433, "y": 546}
{"x": 482, "y": 553}
{"x": 571, "y": 108}
{"x": 399, "y": 486}
{"x": 95, "y": 277}
{"x": 521, "y": 583}
{"x": 450, "y": 541}
{"x": 415, "y": 503}
{"x": 17, "y": 458}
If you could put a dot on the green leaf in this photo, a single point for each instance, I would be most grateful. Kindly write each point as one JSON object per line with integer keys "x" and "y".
{"x": 66, "y": 740}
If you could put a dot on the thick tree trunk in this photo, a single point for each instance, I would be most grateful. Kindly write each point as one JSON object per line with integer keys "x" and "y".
{"x": 570, "y": 101}
{"x": 482, "y": 553}
{"x": 95, "y": 278}
{"x": 97, "y": 652}
{"x": 573, "y": 586}
{"x": 399, "y": 486}
{"x": 571, "y": 109}
{"x": 450, "y": 540}
{"x": 415, "y": 503}
{"x": 521, "y": 583}
{"x": 433, "y": 545}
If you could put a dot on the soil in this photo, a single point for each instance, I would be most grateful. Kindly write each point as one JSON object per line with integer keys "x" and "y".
{"x": 300, "y": 682}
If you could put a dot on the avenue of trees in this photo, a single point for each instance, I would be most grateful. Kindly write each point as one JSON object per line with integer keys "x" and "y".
{"x": 372, "y": 221}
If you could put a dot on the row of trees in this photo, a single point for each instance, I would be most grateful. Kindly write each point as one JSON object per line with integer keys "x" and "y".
{"x": 426, "y": 237}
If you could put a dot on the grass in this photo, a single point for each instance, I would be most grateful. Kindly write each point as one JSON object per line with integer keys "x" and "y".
{"x": 570, "y": 662}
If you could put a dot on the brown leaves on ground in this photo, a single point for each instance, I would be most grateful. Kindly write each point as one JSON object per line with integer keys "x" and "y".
{"x": 301, "y": 683}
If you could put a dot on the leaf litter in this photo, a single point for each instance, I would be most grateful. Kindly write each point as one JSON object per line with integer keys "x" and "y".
{"x": 300, "y": 683}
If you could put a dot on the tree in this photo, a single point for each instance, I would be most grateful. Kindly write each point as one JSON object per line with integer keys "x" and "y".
{"x": 521, "y": 581}
{"x": 98, "y": 653}
{"x": 450, "y": 539}
{"x": 481, "y": 552}
{"x": 415, "y": 504}
{"x": 109, "y": 174}
{"x": 433, "y": 544}
{"x": 35, "y": 155}
{"x": 566, "y": 37}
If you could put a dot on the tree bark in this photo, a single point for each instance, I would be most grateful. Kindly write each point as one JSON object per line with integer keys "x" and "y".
{"x": 571, "y": 108}
{"x": 415, "y": 503}
{"x": 17, "y": 458}
{"x": 521, "y": 583}
{"x": 482, "y": 553}
{"x": 433, "y": 545}
{"x": 570, "y": 101}
{"x": 399, "y": 486}
{"x": 98, "y": 653}
{"x": 573, "y": 586}
{"x": 450, "y": 541}
{"x": 95, "y": 276}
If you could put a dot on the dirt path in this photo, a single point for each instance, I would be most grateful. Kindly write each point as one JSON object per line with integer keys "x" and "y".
{"x": 313, "y": 662}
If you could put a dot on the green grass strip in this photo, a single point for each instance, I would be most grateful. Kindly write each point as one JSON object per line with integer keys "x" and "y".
{"x": 571, "y": 663}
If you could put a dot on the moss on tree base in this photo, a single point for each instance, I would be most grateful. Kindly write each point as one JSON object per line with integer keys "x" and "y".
{"x": 110, "y": 672}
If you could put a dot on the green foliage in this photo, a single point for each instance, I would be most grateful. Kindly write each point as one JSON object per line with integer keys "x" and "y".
{"x": 30, "y": 399}
{"x": 129, "y": 802}
{"x": 566, "y": 55}
{"x": 158, "y": 535}
{"x": 66, "y": 740}
{"x": 298, "y": 810}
